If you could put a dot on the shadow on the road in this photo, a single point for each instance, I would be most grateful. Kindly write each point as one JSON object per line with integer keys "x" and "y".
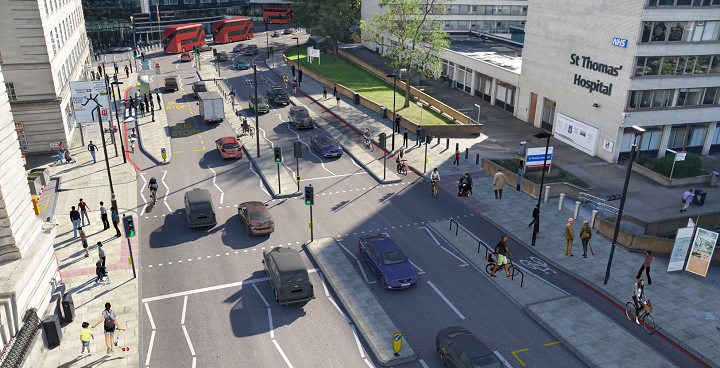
{"x": 175, "y": 231}
{"x": 236, "y": 237}
{"x": 212, "y": 157}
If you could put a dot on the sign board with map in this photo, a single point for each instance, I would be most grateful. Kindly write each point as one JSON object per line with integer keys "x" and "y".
{"x": 701, "y": 252}
{"x": 680, "y": 249}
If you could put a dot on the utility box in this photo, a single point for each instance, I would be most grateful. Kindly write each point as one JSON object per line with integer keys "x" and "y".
{"x": 383, "y": 113}
{"x": 714, "y": 179}
{"x": 68, "y": 308}
{"x": 51, "y": 331}
{"x": 699, "y": 198}
{"x": 211, "y": 107}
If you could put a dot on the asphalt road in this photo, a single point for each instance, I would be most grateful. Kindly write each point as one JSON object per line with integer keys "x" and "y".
{"x": 205, "y": 297}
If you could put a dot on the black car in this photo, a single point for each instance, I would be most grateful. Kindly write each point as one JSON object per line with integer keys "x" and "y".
{"x": 198, "y": 87}
{"x": 460, "y": 348}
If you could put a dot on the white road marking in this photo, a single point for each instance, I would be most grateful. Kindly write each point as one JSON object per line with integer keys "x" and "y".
{"x": 283, "y": 354}
{"x": 453, "y": 254}
{"x": 422, "y": 362}
{"x": 261, "y": 184}
{"x": 149, "y": 353}
{"x": 187, "y": 337}
{"x": 182, "y": 319}
{"x": 433, "y": 236}
{"x": 343, "y": 247}
{"x": 366, "y": 362}
{"x": 446, "y": 300}
{"x": 165, "y": 201}
{"x": 357, "y": 340}
{"x": 194, "y": 360}
{"x": 261, "y": 296}
{"x": 336, "y": 176}
{"x": 152, "y": 323}
{"x": 322, "y": 278}
{"x": 416, "y": 267}
{"x": 339, "y": 310}
{"x": 272, "y": 331}
{"x": 222, "y": 194}
{"x": 363, "y": 271}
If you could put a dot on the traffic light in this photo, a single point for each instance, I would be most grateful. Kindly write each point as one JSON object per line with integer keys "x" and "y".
{"x": 278, "y": 154}
{"x": 135, "y": 53}
{"x": 297, "y": 147}
{"x": 614, "y": 197}
{"x": 383, "y": 138}
{"x": 309, "y": 195}
{"x": 129, "y": 226}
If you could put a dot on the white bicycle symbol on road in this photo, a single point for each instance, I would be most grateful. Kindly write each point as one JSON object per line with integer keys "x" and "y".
{"x": 537, "y": 264}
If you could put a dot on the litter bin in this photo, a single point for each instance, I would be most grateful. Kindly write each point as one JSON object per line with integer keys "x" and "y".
{"x": 68, "y": 308}
{"x": 699, "y": 198}
{"x": 356, "y": 98}
{"x": 714, "y": 179}
{"x": 383, "y": 113}
{"x": 523, "y": 148}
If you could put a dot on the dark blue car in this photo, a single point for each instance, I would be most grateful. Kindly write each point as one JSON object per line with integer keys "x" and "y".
{"x": 388, "y": 262}
{"x": 326, "y": 145}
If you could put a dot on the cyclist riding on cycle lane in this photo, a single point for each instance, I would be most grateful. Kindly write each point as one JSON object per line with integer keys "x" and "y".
{"x": 153, "y": 185}
{"x": 500, "y": 250}
{"x": 638, "y": 297}
{"x": 434, "y": 178}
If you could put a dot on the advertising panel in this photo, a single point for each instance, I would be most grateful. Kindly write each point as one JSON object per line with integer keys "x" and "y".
{"x": 80, "y": 92}
{"x": 577, "y": 134}
{"x": 680, "y": 249}
{"x": 534, "y": 157}
{"x": 701, "y": 252}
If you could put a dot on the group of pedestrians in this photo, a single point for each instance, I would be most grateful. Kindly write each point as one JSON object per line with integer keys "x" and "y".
{"x": 108, "y": 318}
{"x": 78, "y": 217}
{"x": 585, "y": 236}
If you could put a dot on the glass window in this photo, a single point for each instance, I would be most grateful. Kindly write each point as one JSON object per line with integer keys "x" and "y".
{"x": 668, "y": 66}
{"x": 696, "y": 137}
{"x": 711, "y": 31}
{"x": 665, "y": 2}
{"x": 693, "y": 96}
{"x": 676, "y": 31}
{"x": 664, "y": 97}
{"x": 650, "y": 140}
{"x": 697, "y": 35}
{"x": 652, "y": 66}
{"x": 715, "y": 66}
{"x": 640, "y": 68}
{"x": 710, "y": 94}
{"x": 702, "y": 64}
{"x": 464, "y": 9}
{"x": 716, "y": 137}
{"x": 647, "y": 31}
{"x": 690, "y": 65}
{"x": 646, "y": 98}
{"x": 505, "y": 9}
{"x": 677, "y": 137}
{"x": 684, "y": 2}
{"x": 489, "y": 9}
{"x": 515, "y": 10}
{"x": 633, "y": 99}
{"x": 659, "y": 32}
{"x": 548, "y": 115}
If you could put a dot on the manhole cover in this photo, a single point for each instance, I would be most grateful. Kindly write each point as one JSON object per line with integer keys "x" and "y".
{"x": 704, "y": 315}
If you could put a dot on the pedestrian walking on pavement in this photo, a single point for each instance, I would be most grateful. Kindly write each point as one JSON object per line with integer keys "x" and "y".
{"x": 142, "y": 108}
{"x": 405, "y": 138}
{"x": 146, "y": 99}
{"x": 132, "y": 102}
{"x": 499, "y": 183}
{"x": 324, "y": 92}
{"x": 85, "y": 335}
{"x": 500, "y": 250}
{"x": 83, "y": 211}
{"x": 337, "y": 100}
{"x": 158, "y": 98}
{"x": 457, "y": 156}
{"x": 92, "y": 148}
{"x": 101, "y": 252}
{"x": 335, "y": 90}
{"x": 104, "y": 217}
{"x": 143, "y": 56}
{"x": 110, "y": 323}
{"x": 61, "y": 151}
{"x": 687, "y": 197}
{"x": 418, "y": 131}
{"x": 115, "y": 219}
{"x": 569, "y": 237}
{"x": 112, "y": 91}
{"x": 99, "y": 70}
{"x": 152, "y": 106}
{"x": 75, "y": 219}
{"x": 585, "y": 235}
{"x": 294, "y": 85}
{"x": 92, "y": 74}
{"x": 646, "y": 266}
{"x": 116, "y": 68}
{"x": 83, "y": 240}
{"x": 535, "y": 215}
{"x": 127, "y": 72}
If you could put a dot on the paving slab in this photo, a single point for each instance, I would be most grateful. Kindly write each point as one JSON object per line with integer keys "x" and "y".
{"x": 372, "y": 320}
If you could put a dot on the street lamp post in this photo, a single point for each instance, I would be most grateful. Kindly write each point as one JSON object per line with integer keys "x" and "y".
{"x": 110, "y": 91}
{"x": 394, "y": 77}
{"x": 122, "y": 144}
{"x": 637, "y": 133}
{"x": 297, "y": 42}
{"x": 267, "y": 40}
{"x": 107, "y": 162}
{"x": 542, "y": 182}
{"x": 257, "y": 118}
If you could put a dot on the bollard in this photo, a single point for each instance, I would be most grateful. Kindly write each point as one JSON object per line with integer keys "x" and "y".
{"x": 577, "y": 209}
{"x": 447, "y": 146}
{"x": 466, "y": 153}
{"x": 438, "y": 143}
{"x": 547, "y": 193}
{"x": 457, "y": 146}
{"x": 562, "y": 196}
{"x": 592, "y": 219}
{"x": 477, "y": 159}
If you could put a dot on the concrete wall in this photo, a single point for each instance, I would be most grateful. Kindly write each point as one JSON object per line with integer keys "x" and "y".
{"x": 529, "y": 187}
{"x": 667, "y": 182}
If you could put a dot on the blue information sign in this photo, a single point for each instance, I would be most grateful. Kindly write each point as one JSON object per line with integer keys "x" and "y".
{"x": 619, "y": 42}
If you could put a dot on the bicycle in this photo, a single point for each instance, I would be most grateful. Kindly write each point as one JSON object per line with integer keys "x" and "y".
{"x": 369, "y": 145}
{"x": 401, "y": 167}
{"x": 647, "y": 320}
{"x": 491, "y": 264}
{"x": 434, "y": 188}
{"x": 153, "y": 194}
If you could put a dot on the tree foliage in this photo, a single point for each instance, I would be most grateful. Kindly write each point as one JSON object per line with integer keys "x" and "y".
{"x": 414, "y": 40}
{"x": 331, "y": 19}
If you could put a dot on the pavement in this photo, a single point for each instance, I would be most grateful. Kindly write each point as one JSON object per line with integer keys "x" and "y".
{"x": 674, "y": 313}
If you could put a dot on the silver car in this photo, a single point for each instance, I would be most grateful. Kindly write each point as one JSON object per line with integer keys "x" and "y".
{"x": 251, "y": 50}
{"x": 299, "y": 116}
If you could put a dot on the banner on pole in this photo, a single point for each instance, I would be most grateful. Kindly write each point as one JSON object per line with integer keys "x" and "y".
{"x": 680, "y": 249}
{"x": 701, "y": 252}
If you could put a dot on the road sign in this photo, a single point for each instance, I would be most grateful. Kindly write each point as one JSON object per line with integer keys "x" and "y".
{"x": 397, "y": 342}
{"x": 87, "y": 67}
{"x": 534, "y": 157}
{"x": 80, "y": 92}
{"x": 164, "y": 153}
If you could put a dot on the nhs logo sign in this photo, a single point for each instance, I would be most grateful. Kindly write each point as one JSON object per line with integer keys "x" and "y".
{"x": 619, "y": 42}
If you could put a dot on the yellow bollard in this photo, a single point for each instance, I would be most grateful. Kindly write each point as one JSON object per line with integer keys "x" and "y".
{"x": 35, "y": 205}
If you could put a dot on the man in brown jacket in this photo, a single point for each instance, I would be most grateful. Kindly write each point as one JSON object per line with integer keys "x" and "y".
{"x": 569, "y": 237}
{"x": 499, "y": 183}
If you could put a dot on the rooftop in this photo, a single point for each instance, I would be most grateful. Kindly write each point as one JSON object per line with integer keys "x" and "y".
{"x": 492, "y": 50}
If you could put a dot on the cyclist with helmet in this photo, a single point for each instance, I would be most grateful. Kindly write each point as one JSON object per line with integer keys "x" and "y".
{"x": 153, "y": 185}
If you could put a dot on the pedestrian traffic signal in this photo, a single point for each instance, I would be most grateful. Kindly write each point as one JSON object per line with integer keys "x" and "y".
{"x": 309, "y": 195}
{"x": 129, "y": 226}
{"x": 614, "y": 197}
{"x": 383, "y": 138}
{"x": 300, "y": 75}
{"x": 278, "y": 154}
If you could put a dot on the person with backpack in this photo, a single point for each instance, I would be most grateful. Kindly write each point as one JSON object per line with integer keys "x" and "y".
{"x": 110, "y": 323}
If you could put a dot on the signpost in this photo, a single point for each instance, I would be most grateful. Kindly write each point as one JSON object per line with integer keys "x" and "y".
{"x": 679, "y": 156}
{"x": 397, "y": 342}
{"x": 701, "y": 252}
{"x": 680, "y": 248}
{"x": 157, "y": 71}
{"x": 81, "y": 91}
{"x": 163, "y": 153}
{"x": 535, "y": 157}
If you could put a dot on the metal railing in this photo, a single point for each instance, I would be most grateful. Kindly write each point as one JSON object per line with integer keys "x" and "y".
{"x": 600, "y": 204}
{"x": 14, "y": 353}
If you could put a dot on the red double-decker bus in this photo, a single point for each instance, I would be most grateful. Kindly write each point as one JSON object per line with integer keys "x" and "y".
{"x": 277, "y": 15}
{"x": 231, "y": 30}
{"x": 182, "y": 38}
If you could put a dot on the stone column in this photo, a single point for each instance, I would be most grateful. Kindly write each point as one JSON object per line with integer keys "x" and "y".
{"x": 664, "y": 141}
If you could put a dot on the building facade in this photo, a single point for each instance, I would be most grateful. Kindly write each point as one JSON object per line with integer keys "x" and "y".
{"x": 43, "y": 47}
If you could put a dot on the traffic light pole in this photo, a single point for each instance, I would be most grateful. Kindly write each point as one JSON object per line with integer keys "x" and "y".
{"x": 311, "y": 225}
{"x": 279, "y": 185}
{"x": 426, "y": 143}
{"x": 129, "y": 227}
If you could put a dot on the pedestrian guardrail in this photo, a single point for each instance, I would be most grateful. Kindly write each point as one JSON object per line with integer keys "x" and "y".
{"x": 600, "y": 204}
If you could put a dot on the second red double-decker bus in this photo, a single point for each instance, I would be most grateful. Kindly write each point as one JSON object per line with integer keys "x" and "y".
{"x": 182, "y": 38}
{"x": 231, "y": 30}
{"x": 277, "y": 15}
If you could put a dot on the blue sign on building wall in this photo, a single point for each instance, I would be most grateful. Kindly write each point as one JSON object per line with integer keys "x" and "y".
{"x": 619, "y": 42}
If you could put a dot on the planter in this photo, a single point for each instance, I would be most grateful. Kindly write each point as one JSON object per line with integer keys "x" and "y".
{"x": 667, "y": 182}
{"x": 35, "y": 185}
{"x": 40, "y": 172}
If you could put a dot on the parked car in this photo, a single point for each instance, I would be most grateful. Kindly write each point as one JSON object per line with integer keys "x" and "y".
{"x": 288, "y": 276}
{"x": 299, "y": 116}
{"x": 171, "y": 84}
{"x": 251, "y": 50}
{"x": 256, "y": 217}
{"x": 242, "y": 65}
{"x": 228, "y": 147}
{"x": 458, "y": 347}
{"x": 222, "y": 56}
{"x": 204, "y": 48}
{"x": 185, "y": 56}
{"x": 288, "y": 31}
{"x": 326, "y": 145}
{"x": 239, "y": 48}
{"x": 198, "y": 87}
{"x": 199, "y": 208}
{"x": 262, "y": 105}
{"x": 387, "y": 260}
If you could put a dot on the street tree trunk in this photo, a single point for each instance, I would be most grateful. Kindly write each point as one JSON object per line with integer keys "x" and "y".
{"x": 407, "y": 88}
{"x": 335, "y": 49}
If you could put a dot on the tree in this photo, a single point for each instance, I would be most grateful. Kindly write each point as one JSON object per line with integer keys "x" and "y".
{"x": 414, "y": 40}
{"x": 331, "y": 19}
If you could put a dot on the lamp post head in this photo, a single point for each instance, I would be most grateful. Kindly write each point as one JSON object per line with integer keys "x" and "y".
{"x": 638, "y": 130}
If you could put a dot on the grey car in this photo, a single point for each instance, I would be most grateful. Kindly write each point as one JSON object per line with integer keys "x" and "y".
{"x": 251, "y": 50}
{"x": 299, "y": 116}
{"x": 460, "y": 348}
{"x": 199, "y": 208}
{"x": 288, "y": 276}
{"x": 198, "y": 87}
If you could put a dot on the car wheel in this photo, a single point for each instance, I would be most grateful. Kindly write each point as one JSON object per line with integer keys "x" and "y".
{"x": 231, "y": 40}
{"x": 382, "y": 282}
{"x": 441, "y": 356}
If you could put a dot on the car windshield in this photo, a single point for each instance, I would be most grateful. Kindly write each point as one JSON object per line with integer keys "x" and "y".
{"x": 301, "y": 113}
{"x": 243, "y": 62}
{"x": 391, "y": 258}
{"x": 231, "y": 145}
{"x": 259, "y": 215}
{"x": 201, "y": 207}
{"x": 327, "y": 141}
{"x": 200, "y": 88}
{"x": 488, "y": 361}
{"x": 278, "y": 91}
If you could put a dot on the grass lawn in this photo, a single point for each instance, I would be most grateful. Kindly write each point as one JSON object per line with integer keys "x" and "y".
{"x": 368, "y": 85}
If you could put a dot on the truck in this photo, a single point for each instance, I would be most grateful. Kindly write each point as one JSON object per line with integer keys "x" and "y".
{"x": 277, "y": 95}
{"x": 211, "y": 107}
